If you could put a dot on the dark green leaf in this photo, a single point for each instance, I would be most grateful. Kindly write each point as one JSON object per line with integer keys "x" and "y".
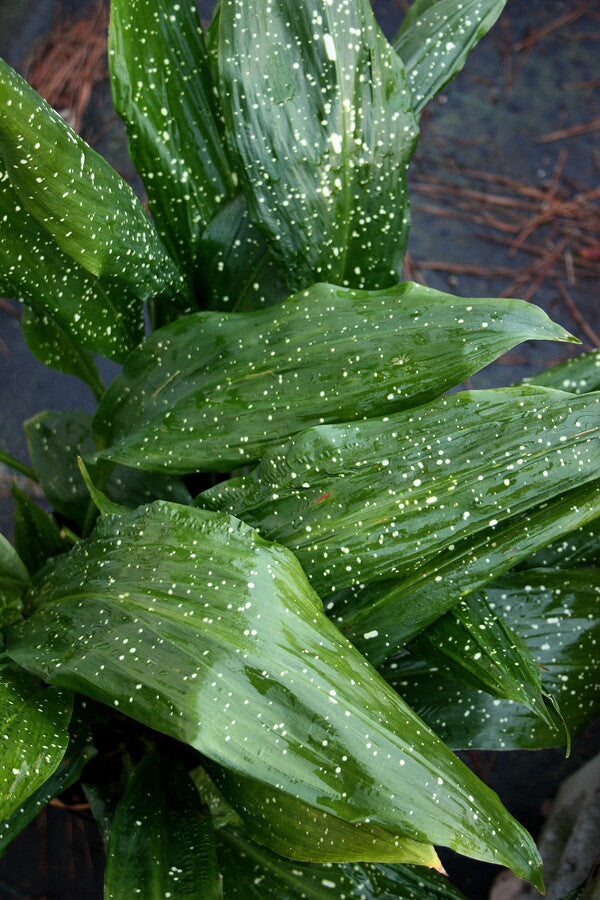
{"x": 56, "y": 439}
{"x": 579, "y": 375}
{"x": 215, "y": 390}
{"x": 162, "y": 841}
{"x": 55, "y": 347}
{"x": 301, "y": 832}
{"x": 556, "y": 613}
{"x": 473, "y": 643}
{"x": 37, "y": 536}
{"x": 399, "y": 609}
{"x": 77, "y": 198}
{"x": 34, "y": 724}
{"x": 414, "y": 12}
{"x": 363, "y": 502}
{"x": 33, "y": 269}
{"x": 162, "y": 87}
{"x": 237, "y": 269}
{"x": 578, "y": 548}
{"x": 251, "y": 872}
{"x": 14, "y": 578}
{"x": 77, "y": 754}
{"x": 212, "y": 635}
{"x": 323, "y": 131}
{"x": 436, "y": 45}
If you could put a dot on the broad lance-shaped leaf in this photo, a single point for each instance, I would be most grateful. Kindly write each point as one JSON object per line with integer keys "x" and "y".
{"x": 79, "y": 751}
{"x": 56, "y": 439}
{"x": 579, "y": 375}
{"x": 366, "y": 501}
{"x": 435, "y": 46}
{"x": 215, "y": 390}
{"x": 77, "y": 198}
{"x": 34, "y": 269}
{"x": 14, "y": 578}
{"x": 236, "y": 267}
{"x": 162, "y": 87}
{"x": 37, "y": 535}
{"x": 192, "y": 623}
{"x": 556, "y": 613}
{"x": 251, "y": 872}
{"x": 474, "y": 644}
{"x": 162, "y": 840}
{"x": 33, "y": 721}
{"x": 322, "y": 131}
{"x": 579, "y": 548}
{"x": 55, "y": 347}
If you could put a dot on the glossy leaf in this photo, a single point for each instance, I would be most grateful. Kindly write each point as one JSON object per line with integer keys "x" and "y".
{"x": 399, "y": 609}
{"x": 363, "y": 502}
{"x": 14, "y": 578}
{"x": 555, "y": 612}
{"x": 238, "y": 271}
{"x": 322, "y": 131}
{"x": 473, "y": 643}
{"x": 579, "y": 375}
{"x": 300, "y": 832}
{"x": 414, "y": 12}
{"x": 578, "y": 548}
{"x": 77, "y": 754}
{"x": 37, "y": 536}
{"x": 162, "y": 87}
{"x": 162, "y": 841}
{"x": 435, "y": 46}
{"x": 78, "y": 199}
{"x": 56, "y": 288}
{"x": 56, "y": 439}
{"x": 251, "y": 872}
{"x": 213, "y": 391}
{"x": 54, "y": 347}
{"x": 192, "y": 623}
{"x": 33, "y": 720}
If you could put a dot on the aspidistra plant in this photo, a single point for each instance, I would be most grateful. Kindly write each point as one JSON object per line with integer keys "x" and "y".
{"x": 278, "y": 527}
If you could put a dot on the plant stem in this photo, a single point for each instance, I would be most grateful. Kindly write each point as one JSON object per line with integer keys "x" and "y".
{"x": 9, "y": 460}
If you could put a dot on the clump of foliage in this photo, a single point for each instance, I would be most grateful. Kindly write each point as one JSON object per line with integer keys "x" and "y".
{"x": 280, "y": 541}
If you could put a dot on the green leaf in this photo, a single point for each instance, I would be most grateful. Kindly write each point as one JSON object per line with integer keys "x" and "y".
{"x": 414, "y": 12}
{"x": 14, "y": 578}
{"x": 34, "y": 723}
{"x": 212, "y": 635}
{"x": 300, "y": 832}
{"x": 555, "y": 613}
{"x": 365, "y": 501}
{"x": 578, "y": 548}
{"x": 436, "y": 45}
{"x": 215, "y": 390}
{"x": 399, "y": 609}
{"x": 77, "y": 198}
{"x": 237, "y": 268}
{"x": 579, "y": 375}
{"x": 55, "y": 441}
{"x": 162, "y": 87}
{"x": 474, "y": 644}
{"x": 55, "y": 347}
{"x": 57, "y": 289}
{"x": 37, "y": 536}
{"x": 251, "y": 872}
{"x": 322, "y": 132}
{"x": 162, "y": 841}
{"x": 77, "y": 754}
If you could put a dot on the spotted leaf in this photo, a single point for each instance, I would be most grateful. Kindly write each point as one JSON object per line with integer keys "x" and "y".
{"x": 435, "y": 45}
{"x": 555, "y": 613}
{"x": 214, "y": 391}
{"x": 162, "y": 841}
{"x": 251, "y": 872}
{"x": 322, "y": 132}
{"x": 579, "y": 548}
{"x": 14, "y": 578}
{"x": 366, "y": 501}
{"x": 77, "y": 199}
{"x": 162, "y": 87}
{"x": 579, "y": 375}
{"x": 34, "y": 720}
{"x": 212, "y": 635}
{"x": 34, "y": 269}
{"x": 37, "y": 536}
